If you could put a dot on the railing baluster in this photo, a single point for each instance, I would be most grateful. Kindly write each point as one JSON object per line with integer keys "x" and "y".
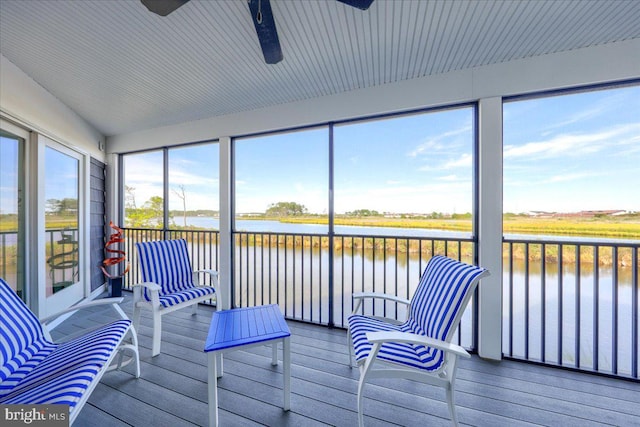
{"x": 543, "y": 304}
{"x": 342, "y": 293}
{"x": 373, "y": 269}
{"x": 614, "y": 311}
{"x": 384, "y": 273}
{"x": 254, "y": 252}
{"x": 577, "y": 309}
{"x": 526, "y": 301}
{"x": 596, "y": 306}
{"x": 560, "y": 294}
{"x": 510, "y": 299}
{"x": 310, "y": 276}
{"x": 286, "y": 288}
{"x": 634, "y": 313}
{"x": 294, "y": 278}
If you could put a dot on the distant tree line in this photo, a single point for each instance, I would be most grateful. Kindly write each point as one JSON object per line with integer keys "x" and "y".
{"x": 282, "y": 209}
{"x": 64, "y": 207}
{"x": 363, "y": 212}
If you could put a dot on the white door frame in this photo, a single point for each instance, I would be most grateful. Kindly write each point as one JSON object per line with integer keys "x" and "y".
{"x": 47, "y": 305}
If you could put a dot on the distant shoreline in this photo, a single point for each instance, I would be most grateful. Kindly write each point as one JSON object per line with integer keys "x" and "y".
{"x": 607, "y": 227}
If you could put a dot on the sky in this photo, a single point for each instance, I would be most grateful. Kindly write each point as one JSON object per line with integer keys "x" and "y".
{"x": 573, "y": 152}
{"x": 562, "y": 153}
{"x": 61, "y": 173}
{"x": 194, "y": 168}
{"x": 8, "y": 176}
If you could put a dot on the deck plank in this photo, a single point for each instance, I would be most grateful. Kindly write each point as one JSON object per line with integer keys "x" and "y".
{"x": 173, "y": 390}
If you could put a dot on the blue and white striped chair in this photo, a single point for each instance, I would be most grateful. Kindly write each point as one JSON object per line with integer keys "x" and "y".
{"x": 168, "y": 283}
{"x": 35, "y": 370}
{"x": 419, "y": 348}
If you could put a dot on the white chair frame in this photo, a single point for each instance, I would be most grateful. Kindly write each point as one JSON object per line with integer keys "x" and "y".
{"x": 158, "y": 310}
{"x": 442, "y": 377}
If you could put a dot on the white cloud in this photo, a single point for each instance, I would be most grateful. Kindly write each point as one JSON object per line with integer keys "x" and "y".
{"x": 463, "y": 162}
{"x": 144, "y": 174}
{"x": 567, "y": 177}
{"x": 436, "y": 144}
{"x": 582, "y": 115}
{"x": 448, "y": 178}
{"x": 574, "y": 144}
{"x": 181, "y": 177}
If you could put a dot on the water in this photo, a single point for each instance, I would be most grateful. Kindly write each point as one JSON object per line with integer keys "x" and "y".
{"x": 284, "y": 227}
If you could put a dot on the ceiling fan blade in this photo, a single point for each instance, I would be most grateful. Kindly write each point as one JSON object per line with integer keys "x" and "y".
{"x": 163, "y": 7}
{"x": 262, "y": 17}
{"x": 360, "y": 4}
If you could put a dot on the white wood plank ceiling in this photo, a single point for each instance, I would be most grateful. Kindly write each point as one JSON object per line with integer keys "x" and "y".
{"x": 124, "y": 69}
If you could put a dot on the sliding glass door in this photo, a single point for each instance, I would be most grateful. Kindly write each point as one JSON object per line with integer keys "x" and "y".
{"x": 43, "y": 219}
{"x": 63, "y": 236}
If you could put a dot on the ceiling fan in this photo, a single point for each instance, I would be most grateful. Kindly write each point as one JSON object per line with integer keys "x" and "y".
{"x": 262, "y": 17}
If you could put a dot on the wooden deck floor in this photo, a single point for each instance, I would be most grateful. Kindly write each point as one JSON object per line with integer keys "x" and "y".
{"x": 172, "y": 390}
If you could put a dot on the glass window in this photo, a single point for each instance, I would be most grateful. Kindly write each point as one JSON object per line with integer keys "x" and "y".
{"x": 571, "y": 221}
{"x": 407, "y": 171}
{"x": 573, "y": 159}
{"x": 193, "y": 187}
{"x": 280, "y": 179}
{"x": 11, "y": 205}
{"x": 61, "y": 188}
{"x": 143, "y": 190}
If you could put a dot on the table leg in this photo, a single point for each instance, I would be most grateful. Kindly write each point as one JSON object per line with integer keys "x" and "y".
{"x": 286, "y": 362}
{"x": 219, "y": 364}
{"x": 274, "y": 353}
{"x": 212, "y": 387}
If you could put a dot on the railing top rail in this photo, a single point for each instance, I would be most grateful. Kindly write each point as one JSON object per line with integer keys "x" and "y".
{"x": 362, "y": 235}
{"x": 570, "y": 240}
{"x": 399, "y": 236}
{"x": 47, "y": 230}
{"x": 171, "y": 229}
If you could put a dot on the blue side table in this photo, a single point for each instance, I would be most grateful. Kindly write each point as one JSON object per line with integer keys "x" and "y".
{"x": 246, "y": 327}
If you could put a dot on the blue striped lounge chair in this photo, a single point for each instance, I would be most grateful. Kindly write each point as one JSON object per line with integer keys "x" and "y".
{"x": 168, "y": 283}
{"x": 35, "y": 370}
{"x": 420, "y": 347}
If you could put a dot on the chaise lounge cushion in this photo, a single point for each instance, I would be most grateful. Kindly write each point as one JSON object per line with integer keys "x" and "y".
{"x": 60, "y": 374}
{"x": 35, "y": 370}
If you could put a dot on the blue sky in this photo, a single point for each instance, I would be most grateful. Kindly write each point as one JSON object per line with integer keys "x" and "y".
{"x": 195, "y": 168}
{"x": 573, "y": 152}
{"x": 562, "y": 153}
{"x": 417, "y": 163}
{"x": 414, "y": 164}
{"x": 61, "y": 173}
{"x": 8, "y": 177}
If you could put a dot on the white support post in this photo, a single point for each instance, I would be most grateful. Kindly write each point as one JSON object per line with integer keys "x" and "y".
{"x": 112, "y": 189}
{"x": 224, "y": 268}
{"x": 490, "y": 228}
